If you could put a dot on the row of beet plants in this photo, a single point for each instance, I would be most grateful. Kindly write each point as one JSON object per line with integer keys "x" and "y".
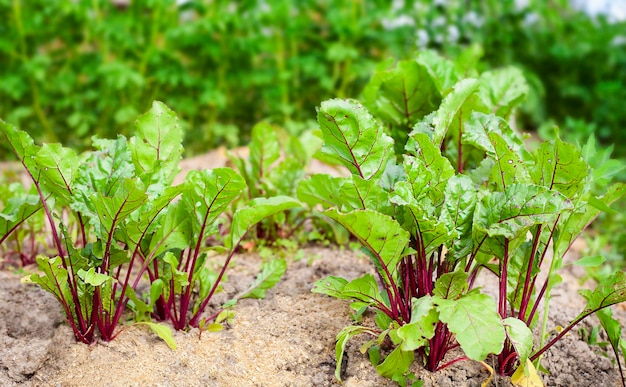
{"x": 115, "y": 219}
{"x": 443, "y": 191}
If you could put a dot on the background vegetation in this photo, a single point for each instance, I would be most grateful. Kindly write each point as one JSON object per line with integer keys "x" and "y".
{"x": 72, "y": 69}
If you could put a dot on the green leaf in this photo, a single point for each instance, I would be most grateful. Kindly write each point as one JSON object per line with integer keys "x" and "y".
{"x": 450, "y": 107}
{"x": 321, "y": 189}
{"x": 502, "y": 90}
{"x": 520, "y": 336}
{"x": 21, "y": 143}
{"x": 157, "y": 149}
{"x": 363, "y": 289}
{"x": 480, "y": 125}
{"x": 357, "y": 193}
{"x": 340, "y": 346}
{"x": 16, "y": 211}
{"x": 92, "y": 278}
{"x": 264, "y": 149}
{"x": 270, "y": 275}
{"x": 113, "y": 210}
{"x": 476, "y": 324}
{"x": 58, "y": 166}
{"x": 380, "y": 233}
{"x": 590, "y": 261}
{"x": 331, "y": 286}
{"x": 519, "y": 207}
{"x": 457, "y": 214}
{"x": 103, "y": 170}
{"x": 354, "y": 138}
{"x": 610, "y": 291}
{"x": 560, "y": 167}
{"x": 613, "y": 330}
{"x": 403, "y": 94}
{"x": 208, "y": 195}
{"x": 396, "y": 364}
{"x": 163, "y": 331}
{"x": 257, "y": 210}
{"x": 441, "y": 70}
{"x": 451, "y": 286}
{"x": 575, "y": 222}
{"x": 421, "y": 328}
{"x": 428, "y": 172}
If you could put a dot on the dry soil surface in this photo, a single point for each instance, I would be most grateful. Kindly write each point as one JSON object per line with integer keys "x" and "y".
{"x": 286, "y": 339}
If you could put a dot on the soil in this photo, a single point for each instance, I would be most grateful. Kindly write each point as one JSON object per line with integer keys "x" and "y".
{"x": 286, "y": 339}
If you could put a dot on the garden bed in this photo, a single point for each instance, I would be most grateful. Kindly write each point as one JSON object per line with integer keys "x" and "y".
{"x": 285, "y": 340}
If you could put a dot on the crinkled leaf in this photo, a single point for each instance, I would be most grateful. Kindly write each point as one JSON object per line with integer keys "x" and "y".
{"x": 354, "y": 138}
{"x": 379, "y": 233}
{"x": 357, "y": 193}
{"x": 257, "y": 210}
{"x": 172, "y": 230}
{"x": 58, "y": 166}
{"x": 441, "y": 70}
{"x": 519, "y": 207}
{"x": 451, "y": 285}
{"x": 450, "y": 107}
{"x": 421, "y": 328}
{"x": 157, "y": 148}
{"x": 270, "y": 275}
{"x": 403, "y": 94}
{"x": 114, "y": 209}
{"x": 321, "y": 189}
{"x": 480, "y": 125}
{"x": 502, "y": 90}
{"x": 457, "y": 214}
{"x": 520, "y": 336}
{"x": 104, "y": 169}
{"x": 145, "y": 221}
{"x": 509, "y": 167}
{"x": 476, "y": 324}
{"x": 561, "y": 167}
{"x": 208, "y": 195}
{"x": 428, "y": 172}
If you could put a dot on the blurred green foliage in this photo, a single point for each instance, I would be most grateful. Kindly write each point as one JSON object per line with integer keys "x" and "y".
{"x": 73, "y": 68}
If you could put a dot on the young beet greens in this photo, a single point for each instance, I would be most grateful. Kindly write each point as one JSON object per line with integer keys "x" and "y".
{"x": 460, "y": 194}
{"x": 115, "y": 218}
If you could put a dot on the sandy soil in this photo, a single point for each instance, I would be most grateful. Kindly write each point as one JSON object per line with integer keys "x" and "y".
{"x": 285, "y": 340}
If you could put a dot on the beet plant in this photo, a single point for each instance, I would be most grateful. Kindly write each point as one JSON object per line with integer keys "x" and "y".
{"x": 458, "y": 194}
{"x": 116, "y": 219}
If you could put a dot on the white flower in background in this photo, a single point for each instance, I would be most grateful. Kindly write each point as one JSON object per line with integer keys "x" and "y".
{"x": 397, "y": 5}
{"x": 264, "y": 7}
{"x": 619, "y": 40}
{"x": 443, "y": 3}
{"x": 474, "y": 19}
{"x": 422, "y": 38}
{"x": 400, "y": 21}
{"x": 530, "y": 18}
{"x": 439, "y": 21}
{"x": 453, "y": 33}
{"x": 521, "y": 5}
